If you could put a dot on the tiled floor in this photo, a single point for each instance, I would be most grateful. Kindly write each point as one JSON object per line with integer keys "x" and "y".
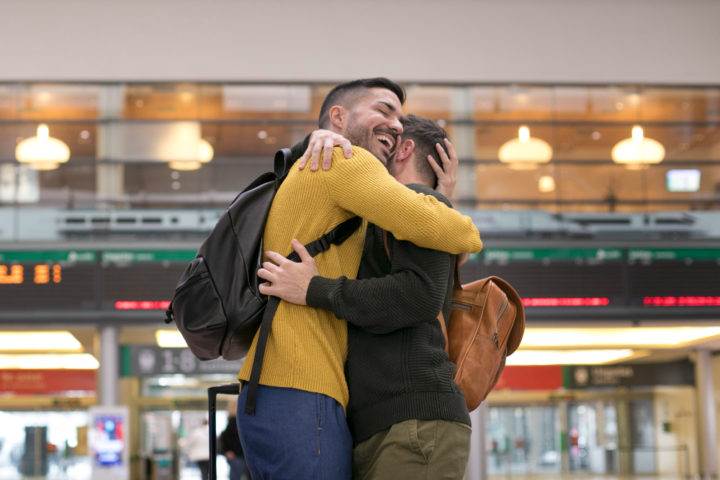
{"x": 582, "y": 476}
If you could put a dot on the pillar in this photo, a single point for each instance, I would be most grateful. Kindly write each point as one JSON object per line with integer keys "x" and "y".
{"x": 463, "y": 139}
{"x": 109, "y": 371}
{"x": 477, "y": 468}
{"x": 109, "y": 177}
{"x": 707, "y": 421}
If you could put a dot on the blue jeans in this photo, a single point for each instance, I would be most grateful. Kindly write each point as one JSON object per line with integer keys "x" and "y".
{"x": 238, "y": 469}
{"x": 294, "y": 435}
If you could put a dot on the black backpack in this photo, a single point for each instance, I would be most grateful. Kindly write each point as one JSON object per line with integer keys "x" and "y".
{"x": 217, "y": 306}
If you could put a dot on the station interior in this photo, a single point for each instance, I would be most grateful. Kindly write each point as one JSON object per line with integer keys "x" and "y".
{"x": 158, "y": 114}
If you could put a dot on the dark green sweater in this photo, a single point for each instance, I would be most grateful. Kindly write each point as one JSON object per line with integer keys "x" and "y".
{"x": 397, "y": 368}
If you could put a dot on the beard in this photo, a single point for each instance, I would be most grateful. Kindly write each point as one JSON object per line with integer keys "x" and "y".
{"x": 362, "y": 136}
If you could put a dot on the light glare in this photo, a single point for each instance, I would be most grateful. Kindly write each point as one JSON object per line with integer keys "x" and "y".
{"x": 60, "y": 341}
{"x": 635, "y": 337}
{"x": 568, "y": 357}
{"x": 170, "y": 339}
{"x": 75, "y": 361}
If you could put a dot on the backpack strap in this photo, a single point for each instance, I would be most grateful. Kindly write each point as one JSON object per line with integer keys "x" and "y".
{"x": 283, "y": 161}
{"x": 334, "y": 237}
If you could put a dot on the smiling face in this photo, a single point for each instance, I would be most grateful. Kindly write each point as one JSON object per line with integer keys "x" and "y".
{"x": 373, "y": 122}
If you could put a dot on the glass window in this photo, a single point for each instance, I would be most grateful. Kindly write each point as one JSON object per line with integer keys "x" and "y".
{"x": 523, "y": 439}
{"x": 139, "y": 128}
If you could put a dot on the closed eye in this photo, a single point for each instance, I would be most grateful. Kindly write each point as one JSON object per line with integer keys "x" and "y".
{"x": 386, "y": 108}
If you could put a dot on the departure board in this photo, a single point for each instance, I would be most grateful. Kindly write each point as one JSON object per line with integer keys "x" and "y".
{"x": 89, "y": 280}
{"x": 577, "y": 279}
{"x": 556, "y": 277}
{"x": 604, "y": 277}
{"x": 48, "y": 280}
{"x": 674, "y": 277}
{"x": 140, "y": 276}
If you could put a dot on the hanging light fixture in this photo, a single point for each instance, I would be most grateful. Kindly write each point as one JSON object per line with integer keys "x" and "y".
{"x": 546, "y": 184}
{"x": 205, "y": 155}
{"x": 42, "y": 152}
{"x": 637, "y": 152}
{"x": 525, "y": 152}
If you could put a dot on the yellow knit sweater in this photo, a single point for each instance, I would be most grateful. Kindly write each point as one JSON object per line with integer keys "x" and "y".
{"x": 307, "y": 347}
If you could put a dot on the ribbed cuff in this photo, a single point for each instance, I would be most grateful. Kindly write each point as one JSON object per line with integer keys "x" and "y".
{"x": 320, "y": 290}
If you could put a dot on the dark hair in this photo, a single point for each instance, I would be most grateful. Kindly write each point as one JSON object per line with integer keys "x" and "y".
{"x": 425, "y": 133}
{"x": 347, "y": 93}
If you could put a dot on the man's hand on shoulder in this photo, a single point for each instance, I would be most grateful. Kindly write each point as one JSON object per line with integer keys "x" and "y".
{"x": 323, "y": 142}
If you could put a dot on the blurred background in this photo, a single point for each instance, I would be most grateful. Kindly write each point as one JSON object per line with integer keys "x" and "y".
{"x": 589, "y": 143}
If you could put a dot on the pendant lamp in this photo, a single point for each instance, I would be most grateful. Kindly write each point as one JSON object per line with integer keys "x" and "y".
{"x": 42, "y": 152}
{"x": 205, "y": 155}
{"x": 525, "y": 152}
{"x": 637, "y": 152}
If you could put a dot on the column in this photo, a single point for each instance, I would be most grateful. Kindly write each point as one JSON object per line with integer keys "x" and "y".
{"x": 463, "y": 139}
{"x": 707, "y": 422}
{"x": 561, "y": 426}
{"x": 477, "y": 468}
{"x": 625, "y": 443}
{"x": 109, "y": 177}
{"x": 109, "y": 372}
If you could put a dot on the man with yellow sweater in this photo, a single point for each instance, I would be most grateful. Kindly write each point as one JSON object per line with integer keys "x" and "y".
{"x": 299, "y": 429}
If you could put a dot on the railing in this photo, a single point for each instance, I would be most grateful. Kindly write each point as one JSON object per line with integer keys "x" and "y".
{"x": 617, "y": 463}
{"x": 37, "y": 223}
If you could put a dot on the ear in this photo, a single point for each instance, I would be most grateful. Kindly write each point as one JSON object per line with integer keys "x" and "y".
{"x": 338, "y": 117}
{"x": 404, "y": 150}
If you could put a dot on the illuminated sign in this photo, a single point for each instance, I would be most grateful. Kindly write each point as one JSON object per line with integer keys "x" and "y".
{"x": 566, "y": 302}
{"x": 44, "y": 256}
{"x": 150, "y": 360}
{"x": 39, "y": 267}
{"x": 560, "y": 254}
{"x": 527, "y": 302}
{"x": 139, "y": 256}
{"x": 636, "y": 375}
{"x": 682, "y": 301}
{"x": 141, "y": 305}
{"x": 530, "y": 377}
{"x": 673, "y": 254}
{"x": 32, "y": 381}
{"x": 108, "y": 441}
{"x": 89, "y": 280}
{"x": 15, "y": 274}
{"x": 564, "y": 281}
{"x": 682, "y": 180}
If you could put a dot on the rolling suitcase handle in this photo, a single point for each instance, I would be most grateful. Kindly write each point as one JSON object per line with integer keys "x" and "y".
{"x": 227, "y": 389}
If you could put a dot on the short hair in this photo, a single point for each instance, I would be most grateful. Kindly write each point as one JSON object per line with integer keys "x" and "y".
{"x": 425, "y": 133}
{"x": 347, "y": 93}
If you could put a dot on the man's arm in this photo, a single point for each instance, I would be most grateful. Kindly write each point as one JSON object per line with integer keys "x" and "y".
{"x": 363, "y": 186}
{"x": 412, "y": 293}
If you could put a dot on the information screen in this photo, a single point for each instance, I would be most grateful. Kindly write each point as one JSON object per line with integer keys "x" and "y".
{"x": 674, "y": 277}
{"x": 48, "y": 279}
{"x": 140, "y": 276}
{"x": 593, "y": 278}
{"x": 88, "y": 280}
{"x": 544, "y": 277}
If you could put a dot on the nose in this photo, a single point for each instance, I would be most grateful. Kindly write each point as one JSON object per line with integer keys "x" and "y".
{"x": 396, "y": 125}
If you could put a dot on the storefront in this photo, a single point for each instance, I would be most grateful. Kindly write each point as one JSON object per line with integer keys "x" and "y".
{"x": 618, "y": 419}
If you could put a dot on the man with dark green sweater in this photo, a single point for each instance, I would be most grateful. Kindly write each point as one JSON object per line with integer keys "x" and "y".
{"x": 407, "y": 416}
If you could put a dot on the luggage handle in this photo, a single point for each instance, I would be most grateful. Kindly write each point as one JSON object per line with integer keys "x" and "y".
{"x": 213, "y": 392}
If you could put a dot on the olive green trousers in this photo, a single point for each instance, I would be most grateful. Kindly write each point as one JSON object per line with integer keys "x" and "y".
{"x": 414, "y": 450}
